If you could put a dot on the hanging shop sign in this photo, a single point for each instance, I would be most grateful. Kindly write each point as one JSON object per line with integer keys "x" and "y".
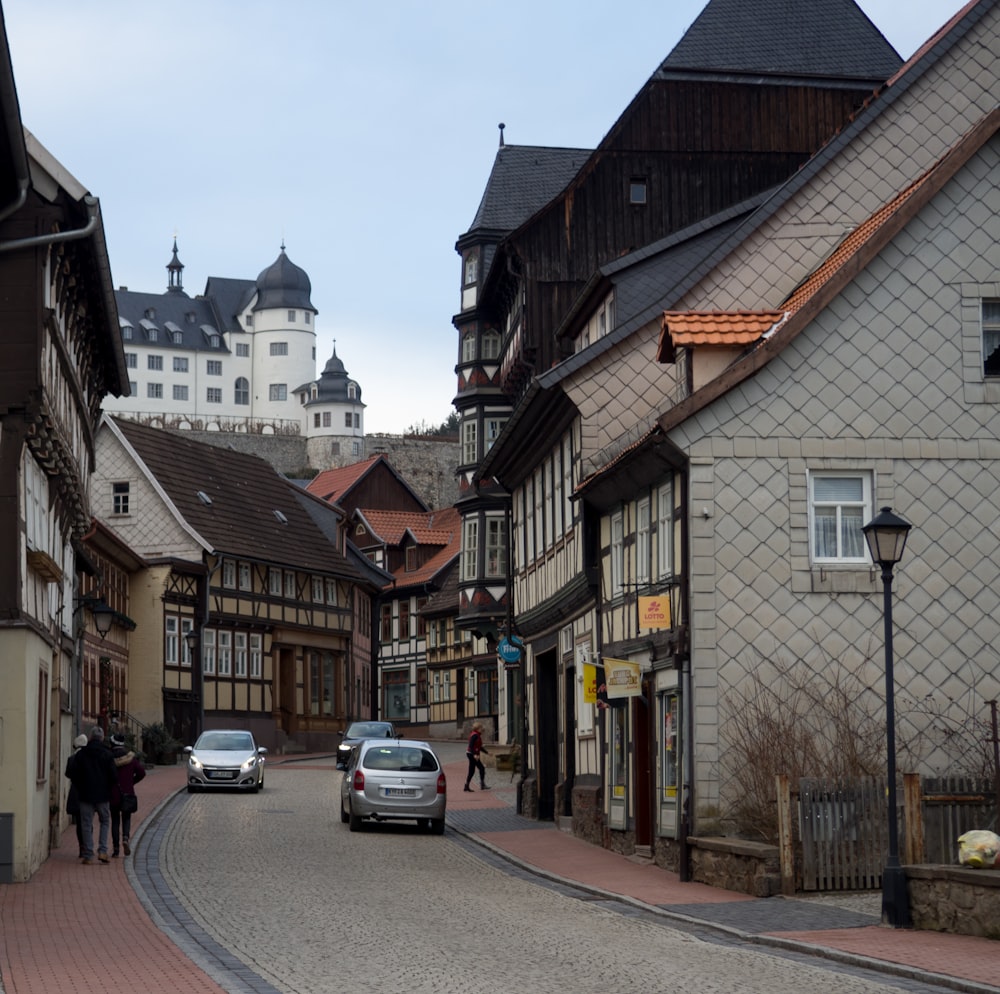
{"x": 622, "y": 678}
{"x": 654, "y": 612}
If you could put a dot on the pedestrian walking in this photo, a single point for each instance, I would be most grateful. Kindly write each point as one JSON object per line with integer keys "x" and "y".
{"x": 475, "y": 747}
{"x": 72, "y": 798}
{"x": 93, "y": 774}
{"x": 124, "y": 801}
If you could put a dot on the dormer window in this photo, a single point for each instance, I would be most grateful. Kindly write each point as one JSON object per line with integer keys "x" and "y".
{"x": 637, "y": 190}
{"x": 411, "y": 558}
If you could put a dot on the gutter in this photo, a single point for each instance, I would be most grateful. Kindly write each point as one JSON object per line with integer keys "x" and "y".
{"x": 59, "y": 236}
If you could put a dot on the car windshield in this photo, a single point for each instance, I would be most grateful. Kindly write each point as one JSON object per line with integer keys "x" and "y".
{"x": 400, "y": 758}
{"x": 369, "y": 730}
{"x": 223, "y": 742}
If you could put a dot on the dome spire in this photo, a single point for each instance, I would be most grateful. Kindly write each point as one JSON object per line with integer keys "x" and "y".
{"x": 175, "y": 282}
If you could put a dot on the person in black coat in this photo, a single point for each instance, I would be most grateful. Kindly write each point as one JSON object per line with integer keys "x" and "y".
{"x": 72, "y": 801}
{"x": 93, "y": 774}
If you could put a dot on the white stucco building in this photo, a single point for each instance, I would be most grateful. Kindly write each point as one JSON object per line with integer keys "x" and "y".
{"x": 240, "y": 357}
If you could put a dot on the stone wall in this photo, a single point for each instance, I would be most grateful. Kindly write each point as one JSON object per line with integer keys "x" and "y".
{"x": 955, "y": 899}
{"x": 286, "y": 453}
{"x": 735, "y": 864}
{"x": 429, "y": 464}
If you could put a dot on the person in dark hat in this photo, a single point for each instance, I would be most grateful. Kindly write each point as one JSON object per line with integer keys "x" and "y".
{"x": 93, "y": 774}
{"x": 123, "y": 797}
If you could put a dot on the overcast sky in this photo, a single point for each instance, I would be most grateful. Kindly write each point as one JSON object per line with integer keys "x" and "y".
{"x": 360, "y": 134}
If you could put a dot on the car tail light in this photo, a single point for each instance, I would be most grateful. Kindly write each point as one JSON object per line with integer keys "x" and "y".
{"x": 359, "y": 780}
{"x": 442, "y": 784}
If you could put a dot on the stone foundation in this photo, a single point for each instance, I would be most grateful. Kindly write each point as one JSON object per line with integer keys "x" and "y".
{"x": 735, "y": 864}
{"x": 955, "y": 899}
{"x": 588, "y": 815}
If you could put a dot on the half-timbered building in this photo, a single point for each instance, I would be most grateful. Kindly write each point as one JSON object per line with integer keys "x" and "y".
{"x": 62, "y": 357}
{"x": 247, "y": 608}
{"x": 742, "y": 102}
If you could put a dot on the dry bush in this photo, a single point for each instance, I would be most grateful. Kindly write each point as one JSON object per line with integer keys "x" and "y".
{"x": 798, "y": 719}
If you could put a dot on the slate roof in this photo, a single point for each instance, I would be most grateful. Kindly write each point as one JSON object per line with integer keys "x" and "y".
{"x": 799, "y": 38}
{"x": 192, "y": 317}
{"x": 244, "y": 493}
{"x": 524, "y": 179}
{"x": 332, "y": 386}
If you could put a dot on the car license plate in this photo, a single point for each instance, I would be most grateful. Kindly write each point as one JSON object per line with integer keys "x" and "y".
{"x": 220, "y": 775}
{"x": 399, "y": 792}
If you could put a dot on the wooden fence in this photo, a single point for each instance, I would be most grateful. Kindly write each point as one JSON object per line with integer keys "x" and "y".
{"x": 833, "y": 835}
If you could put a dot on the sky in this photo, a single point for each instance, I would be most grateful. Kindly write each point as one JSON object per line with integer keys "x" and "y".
{"x": 360, "y": 135}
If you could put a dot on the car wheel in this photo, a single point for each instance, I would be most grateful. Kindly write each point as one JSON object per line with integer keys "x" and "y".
{"x": 343, "y": 812}
{"x": 437, "y": 826}
{"x": 355, "y": 821}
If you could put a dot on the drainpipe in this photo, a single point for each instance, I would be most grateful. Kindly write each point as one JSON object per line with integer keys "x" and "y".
{"x": 54, "y": 237}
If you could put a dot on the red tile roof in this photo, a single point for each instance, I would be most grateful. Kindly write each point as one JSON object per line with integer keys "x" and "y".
{"x": 441, "y": 528}
{"x": 331, "y": 483}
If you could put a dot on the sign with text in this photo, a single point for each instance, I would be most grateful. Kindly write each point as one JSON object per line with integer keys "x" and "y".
{"x": 622, "y": 678}
{"x": 654, "y": 612}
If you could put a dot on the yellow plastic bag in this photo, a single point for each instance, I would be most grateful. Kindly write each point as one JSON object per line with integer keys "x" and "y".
{"x": 979, "y": 848}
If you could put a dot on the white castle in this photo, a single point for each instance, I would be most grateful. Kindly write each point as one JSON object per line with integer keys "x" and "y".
{"x": 239, "y": 358}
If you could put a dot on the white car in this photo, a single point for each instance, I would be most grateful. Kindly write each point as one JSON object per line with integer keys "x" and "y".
{"x": 227, "y": 758}
{"x": 392, "y": 780}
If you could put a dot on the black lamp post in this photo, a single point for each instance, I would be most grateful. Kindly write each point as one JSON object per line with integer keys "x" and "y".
{"x": 886, "y": 536}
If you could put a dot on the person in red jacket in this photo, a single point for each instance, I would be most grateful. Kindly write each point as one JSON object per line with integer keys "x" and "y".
{"x": 123, "y": 797}
{"x": 475, "y": 763}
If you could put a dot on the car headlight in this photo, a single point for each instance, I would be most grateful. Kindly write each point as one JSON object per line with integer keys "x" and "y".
{"x": 249, "y": 764}
{"x": 194, "y": 762}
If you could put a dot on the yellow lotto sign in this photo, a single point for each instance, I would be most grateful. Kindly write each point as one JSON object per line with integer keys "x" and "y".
{"x": 589, "y": 683}
{"x": 654, "y": 612}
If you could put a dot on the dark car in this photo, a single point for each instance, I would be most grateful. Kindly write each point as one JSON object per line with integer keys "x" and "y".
{"x": 358, "y": 731}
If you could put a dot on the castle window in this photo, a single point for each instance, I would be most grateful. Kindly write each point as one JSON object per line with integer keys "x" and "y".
{"x": 278, "y": 391}
{"x": 291, "y": 317}
{"x": 213, "y": 367}
{"x": 242, "y": 390}
{"x": 213, "y": 395}
{"x": 243, "y": 350}
{"x": 327, "y": 419}
{"x": 279, "y": 348}
{"x": 180, "y": 392}
{"x": 131, "y": 360}
{"x": 180, "y": 364}
{"x": 154, "y": 362}
{"x": 154, "y": 391}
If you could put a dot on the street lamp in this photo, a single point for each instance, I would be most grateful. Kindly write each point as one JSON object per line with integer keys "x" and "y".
{"x": 104, "y": 617}
{"x": 886, "y": 537}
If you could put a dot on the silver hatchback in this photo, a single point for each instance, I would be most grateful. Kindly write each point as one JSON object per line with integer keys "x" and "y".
{"x": 225, "y": 758}
{"x": 394, "y": 780}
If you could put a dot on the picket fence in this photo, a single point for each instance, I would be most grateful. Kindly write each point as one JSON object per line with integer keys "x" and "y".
{"x": 840, "y": 834}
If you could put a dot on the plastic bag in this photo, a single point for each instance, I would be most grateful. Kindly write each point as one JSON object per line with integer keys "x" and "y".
{"x": 979, "y": 848}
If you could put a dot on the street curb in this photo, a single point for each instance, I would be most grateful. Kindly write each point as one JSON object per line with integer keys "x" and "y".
{"x": 790, "y": 945}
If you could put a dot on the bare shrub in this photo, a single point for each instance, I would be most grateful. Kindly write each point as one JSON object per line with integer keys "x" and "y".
{"x": 798, "y": 719}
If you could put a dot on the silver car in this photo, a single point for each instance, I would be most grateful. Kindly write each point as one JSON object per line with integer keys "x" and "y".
{"x": 394, "y": 780}
{"x": 225, "y": 758}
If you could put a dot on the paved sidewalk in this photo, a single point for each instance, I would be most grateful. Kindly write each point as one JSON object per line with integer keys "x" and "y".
{"x": 82, "y": 922}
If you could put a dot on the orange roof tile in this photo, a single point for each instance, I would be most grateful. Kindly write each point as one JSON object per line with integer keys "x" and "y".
{"x": 713, "y": 328}
{"x": 332, "y": 482}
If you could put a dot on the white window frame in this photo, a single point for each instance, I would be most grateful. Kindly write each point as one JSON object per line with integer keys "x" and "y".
{"x": 289, "y": 581}
{"x": 990, "y": 315}
{"x": 617, "y": 563}
{"x": 208, "y": 652}
{"x": 858, "y": 509}
{"x": 496, "y": 546}
{"x": 225, "y": 650}
{"x": 228, "y": 573}
{"x": 187, "y": 625}
{"x": 470, "y": 548}
{"x": 277, "y": 392}
{"x": 643, "y": 541}
{"x": 274, "y": 581}
{"x": 171, "y": 640}
{"x": 245, "y": 578}
{"x": 256, "y": 655}
{"x": 665, "y": 530}
{"x": 469, "y": 437}
{"x": 240, "y": 654}
{"x": 317, "y": 590}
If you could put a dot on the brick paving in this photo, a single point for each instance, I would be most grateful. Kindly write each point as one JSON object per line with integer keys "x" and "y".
{"x": 85, "y": 922}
